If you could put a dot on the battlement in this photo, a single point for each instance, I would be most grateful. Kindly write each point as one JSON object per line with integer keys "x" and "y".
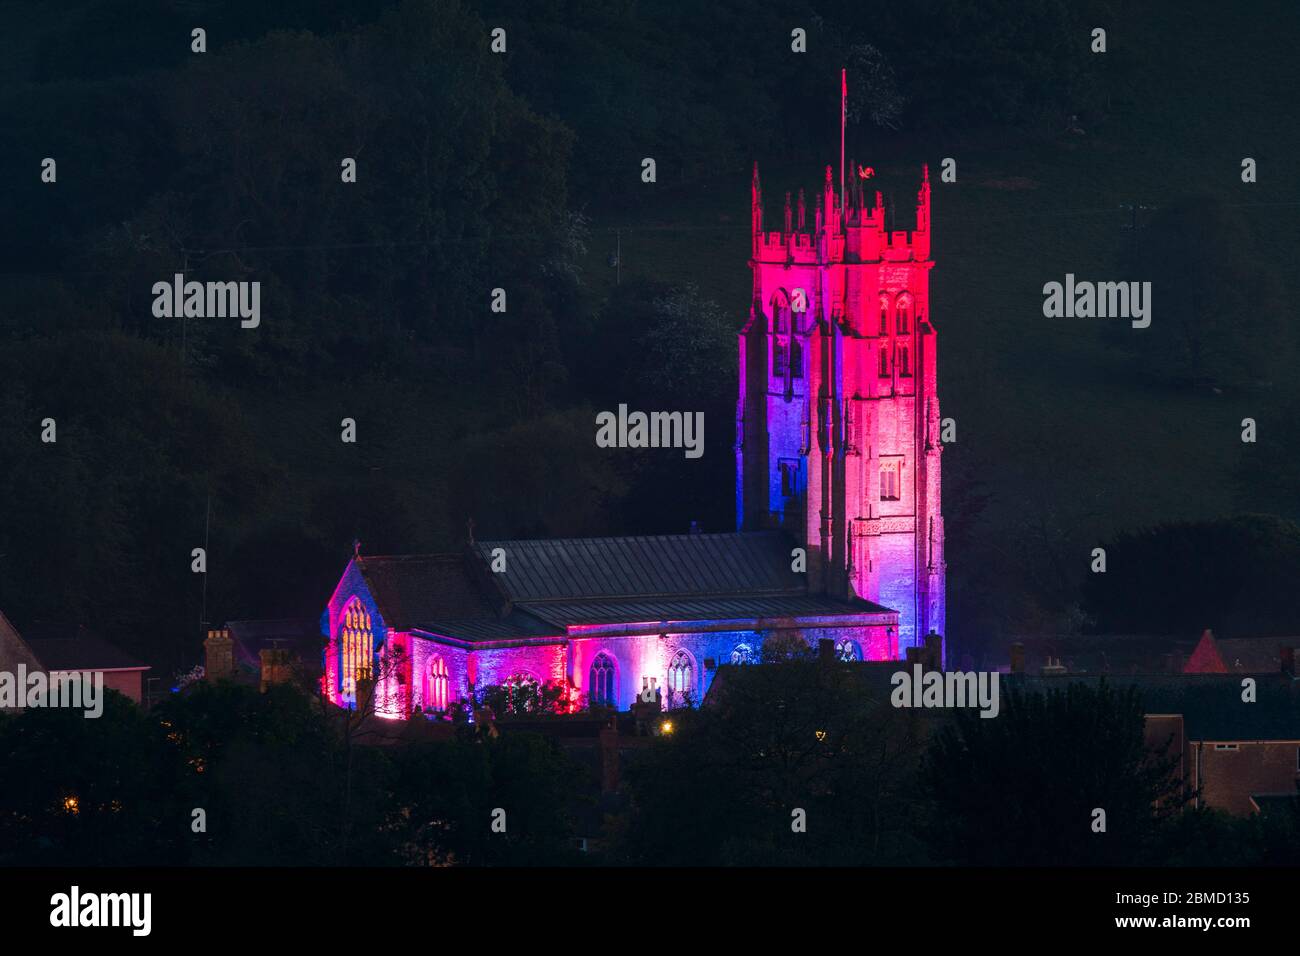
{"x": 857, "y": 233}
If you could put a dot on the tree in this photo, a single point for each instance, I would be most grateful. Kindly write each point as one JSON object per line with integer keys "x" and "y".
{"x": 1230, "y": 574}
{"x": 775, "y": 739}
{"x": 1023, "y": 788}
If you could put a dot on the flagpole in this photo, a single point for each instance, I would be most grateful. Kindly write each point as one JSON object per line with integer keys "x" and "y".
{"x": 844, "y": 100}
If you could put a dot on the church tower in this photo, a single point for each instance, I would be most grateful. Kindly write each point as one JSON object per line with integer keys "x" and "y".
{"x": 837, "y": 419}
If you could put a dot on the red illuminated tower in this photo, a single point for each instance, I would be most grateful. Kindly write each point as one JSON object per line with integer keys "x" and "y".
{"x": 838, "y": 415}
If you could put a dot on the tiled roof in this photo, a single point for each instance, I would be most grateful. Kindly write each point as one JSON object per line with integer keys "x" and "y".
{"x": 573, "y": 569}
{"x": 415, "y": 589}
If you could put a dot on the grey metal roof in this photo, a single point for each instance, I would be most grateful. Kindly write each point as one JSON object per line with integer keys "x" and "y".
{"x": 699, "y": 609}
{"x": 572, "y": 569}
{"x": 517, "y": 624}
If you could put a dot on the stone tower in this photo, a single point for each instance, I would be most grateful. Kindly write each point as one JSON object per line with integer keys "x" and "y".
{"x": 837, "y": 419}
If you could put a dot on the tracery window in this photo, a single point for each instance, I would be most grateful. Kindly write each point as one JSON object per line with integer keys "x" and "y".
{"x": 357, "y": 647}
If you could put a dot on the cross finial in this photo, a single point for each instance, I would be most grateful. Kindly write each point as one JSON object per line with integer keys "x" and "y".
{"x": 356, "y": 547}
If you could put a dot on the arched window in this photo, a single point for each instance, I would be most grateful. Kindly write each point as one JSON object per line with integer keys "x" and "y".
{"x": 780, "y": 336}
{"x": 847, "y": 650}
{"x": 743, "y": 654}
{"x": 796, "y": 358}
{"x": 904, "y": 316}
{"x": 356, "y": 647}
{"x": 884, "y": 361}
{"x": 904, "y": 361}
{"x": 884, "y": 314}
{"x": 523, "y": 693}
{"x": 435, "y": 684}
{"x": 681, "y": 677}
{"x": 601, "y": 681}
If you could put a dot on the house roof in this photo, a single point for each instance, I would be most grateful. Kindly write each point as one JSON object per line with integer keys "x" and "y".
{"x": 572, "y": 569}
{"x": 1211, "y": 704}
{"x": 72, "y": 648}
{"x": 301, "y": 637}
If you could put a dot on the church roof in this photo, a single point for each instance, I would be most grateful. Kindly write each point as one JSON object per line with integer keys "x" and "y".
{"x": 414, "y": 589}
{"x": 707, "y": 609}
{"x": 571, "y": 569}
{"x": 548, "y": 586}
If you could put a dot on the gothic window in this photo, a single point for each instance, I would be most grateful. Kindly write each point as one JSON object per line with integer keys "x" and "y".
{"x": 889, "y": 484}
{"x": 796, "y": 358}
{"x": 357, "y": 647}
{"x": 904, "y": 317}
{"x": 780, "y": 337}
{"x": 681, "y": 676}
{"x": 743, "y": 654}
{"x": 884, "y": 361}
{"x": 601, "y": 681}
{"x": 435, "y": 684}
{"x": 884, "y": 315}
{"x": 847, "y": 650}
{"x": 904, "y": 361}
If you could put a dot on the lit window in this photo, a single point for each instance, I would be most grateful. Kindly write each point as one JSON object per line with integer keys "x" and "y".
{"x": 681, "y": 673}
{"x": 601, "y": 681}
{"x": 889, "y": 481}
{"x": 846, "y": 650}
{"x": 358, "y": 647}
{"x": 435, "y": 685}
{"x": 743, "y": 654}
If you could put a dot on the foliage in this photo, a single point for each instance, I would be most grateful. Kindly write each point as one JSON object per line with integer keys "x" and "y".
{"x": 1022, "y": 789}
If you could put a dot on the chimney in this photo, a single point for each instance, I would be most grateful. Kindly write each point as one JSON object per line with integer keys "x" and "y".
{"x": 825, "y": 649}
{"x": 934, "y": 651}
{"x": 1287, "y": 655}
{"x": 1017, "y": 658}
{"x": 1053, "y": 667}
{"x": 218, "y": 655}
{"x": 277, "y": 667}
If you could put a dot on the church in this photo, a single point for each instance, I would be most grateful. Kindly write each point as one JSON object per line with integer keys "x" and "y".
{"x": 839, "y": 529}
